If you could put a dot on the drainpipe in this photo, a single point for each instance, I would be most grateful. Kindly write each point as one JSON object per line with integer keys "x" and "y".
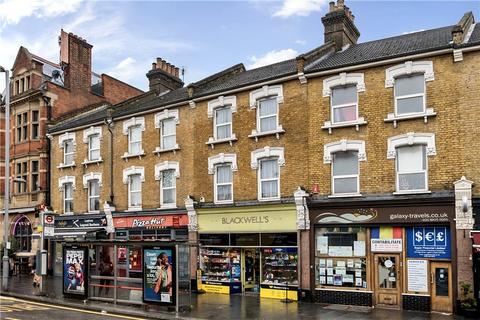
{"x": 49, "y": 145}
{"x": 109, "y": 123}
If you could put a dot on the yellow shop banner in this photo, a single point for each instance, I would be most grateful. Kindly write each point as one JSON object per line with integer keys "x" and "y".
{"x": 275, "y": 218}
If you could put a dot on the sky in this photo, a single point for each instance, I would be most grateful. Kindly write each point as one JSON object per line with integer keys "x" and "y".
{"x": 203, "y": 37}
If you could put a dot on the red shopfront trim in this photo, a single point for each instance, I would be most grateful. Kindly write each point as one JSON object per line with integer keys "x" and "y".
{"x": 151, "y": 221}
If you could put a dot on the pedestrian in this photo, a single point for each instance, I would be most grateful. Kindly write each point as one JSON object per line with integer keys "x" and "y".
{"x": 106, "y": 270}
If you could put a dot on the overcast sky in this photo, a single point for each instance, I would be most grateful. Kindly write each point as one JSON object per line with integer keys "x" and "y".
{"x": 204, "y": 37}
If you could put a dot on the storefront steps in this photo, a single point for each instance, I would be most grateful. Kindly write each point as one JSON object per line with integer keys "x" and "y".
{"x": 217, "y": 306}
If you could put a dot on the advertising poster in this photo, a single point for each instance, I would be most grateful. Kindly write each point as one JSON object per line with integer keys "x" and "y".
{"x": 429, "y": 242}
{"x": 159, "y": 283}
{"x": 75, "y": 271}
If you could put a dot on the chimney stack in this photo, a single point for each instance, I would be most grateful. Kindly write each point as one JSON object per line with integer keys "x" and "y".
{"x": 164, "y": 76}
{"x": 339, "y": 25}
{"x": 460, "y": 30}
{"x": 76, "y": 60}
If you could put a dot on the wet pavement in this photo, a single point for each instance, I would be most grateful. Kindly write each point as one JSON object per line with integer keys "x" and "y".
{"x": 20, "y": 309}
{"x": 215, "y": 306}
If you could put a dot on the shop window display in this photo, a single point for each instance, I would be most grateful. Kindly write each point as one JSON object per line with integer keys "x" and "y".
{"x": 340, "y": 257}
{"x": 219, "y": 264}
{"x": 279, "y": 266}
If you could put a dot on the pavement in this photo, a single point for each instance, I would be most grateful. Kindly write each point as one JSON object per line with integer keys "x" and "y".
{"x": 205, "y": 306}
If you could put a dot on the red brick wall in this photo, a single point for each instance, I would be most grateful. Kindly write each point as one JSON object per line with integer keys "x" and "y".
{"x": 116, "y": 91}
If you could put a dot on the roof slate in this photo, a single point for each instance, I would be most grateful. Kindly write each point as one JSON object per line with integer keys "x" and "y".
{"x": 407, "y": 44}
{"x": 403, "y": 45}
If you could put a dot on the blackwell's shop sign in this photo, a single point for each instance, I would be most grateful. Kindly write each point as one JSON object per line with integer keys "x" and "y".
{"x": 274, "y": 218}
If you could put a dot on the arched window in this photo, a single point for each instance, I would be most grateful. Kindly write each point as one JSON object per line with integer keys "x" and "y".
{"x": 23, "y": 234}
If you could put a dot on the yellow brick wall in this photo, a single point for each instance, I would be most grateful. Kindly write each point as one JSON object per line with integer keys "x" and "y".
{"x": 377, "y": 174}
{"x": 453, "y": 95}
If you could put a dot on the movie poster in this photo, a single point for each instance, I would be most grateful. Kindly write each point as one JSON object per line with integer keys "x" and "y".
{"x": 159, "y": 283}
{"x": 74, "y": 271}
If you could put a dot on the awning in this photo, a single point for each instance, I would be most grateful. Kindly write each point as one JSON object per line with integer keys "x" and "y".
{"x": 475, "y": 234}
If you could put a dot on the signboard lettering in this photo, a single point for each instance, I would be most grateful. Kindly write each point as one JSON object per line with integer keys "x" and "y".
{"x": 386, "y": 245}
{"x": 151, "y": 222}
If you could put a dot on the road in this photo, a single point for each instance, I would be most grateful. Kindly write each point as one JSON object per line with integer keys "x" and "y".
{"x": 18, "y": 309}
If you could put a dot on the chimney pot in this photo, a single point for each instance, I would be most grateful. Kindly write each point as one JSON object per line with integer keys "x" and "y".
{"x": 177, "y": 72}
{"x": 154, "y": 66}
{"x": 339, "y": 26}
{"x": 331, "y": 6}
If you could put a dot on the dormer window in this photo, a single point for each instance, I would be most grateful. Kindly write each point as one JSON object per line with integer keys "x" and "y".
{"x": 344, "y": 102}
{"x": 410, "y": 94}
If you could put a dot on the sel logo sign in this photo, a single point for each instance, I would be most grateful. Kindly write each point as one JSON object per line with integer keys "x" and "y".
{"x": 431, "y": 242}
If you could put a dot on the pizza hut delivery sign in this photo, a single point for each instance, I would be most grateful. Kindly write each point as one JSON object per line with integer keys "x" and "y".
{"x": 151, "y": 222}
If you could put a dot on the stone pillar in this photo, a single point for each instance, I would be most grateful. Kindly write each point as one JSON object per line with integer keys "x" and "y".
{"x": 303, "y": 227}
{"x": 464, "y": 223}
{"x": 192, "y": 238}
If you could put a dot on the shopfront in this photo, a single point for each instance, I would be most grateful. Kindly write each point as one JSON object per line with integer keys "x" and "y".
{"x": 249, "y": 249}
{"x": 119, "y": 266}
{"x": 389, "y": 254}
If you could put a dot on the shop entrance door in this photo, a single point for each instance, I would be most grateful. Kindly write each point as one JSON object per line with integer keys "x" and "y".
{"x": 441, "y": 280}
{"x": 387, "y": 280}
{"x": 250, "y": 270}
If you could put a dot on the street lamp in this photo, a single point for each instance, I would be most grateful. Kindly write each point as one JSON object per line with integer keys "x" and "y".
{"x": 6, "y": 267}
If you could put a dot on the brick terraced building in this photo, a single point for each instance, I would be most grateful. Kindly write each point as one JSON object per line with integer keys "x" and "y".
{"x": 43, "y": 91}
{"x": 337, "y": 177}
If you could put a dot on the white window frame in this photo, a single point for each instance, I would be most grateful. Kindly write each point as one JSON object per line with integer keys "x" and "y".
{"x": 259, "y": 118}
{"x": 168, "y": 205}
{"x": 91, "y": 149}
{"x": 159, "y": 168}
{"x": 127, "y": 124}
{"x": 163, "y": 135}
{"x": 422, "y": 94}
{"x": 425, "y": 171}
{"x": 332, "y": 107}
{"x": 267, "y": 152}
{"x": 127, "y": 172}
{"x": 130, "y": 206}
{"x": 216, "y": 125}
{"x": 90, "y": 197}
{"x": 265, "y": 93}
{"x": 357, "y": 176}
{"x": 67, "y": 199}
{"x": 65, "y": 153}
{"x": 408, "y": 139}
{"x": 260, "y": 180}
{"x": 212, "y": 107}
{"x": 216, "y": 185}
{"x": 344, "y": 145}
{"x": 130, "y": 141}
{"x": 87, "y": 136}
